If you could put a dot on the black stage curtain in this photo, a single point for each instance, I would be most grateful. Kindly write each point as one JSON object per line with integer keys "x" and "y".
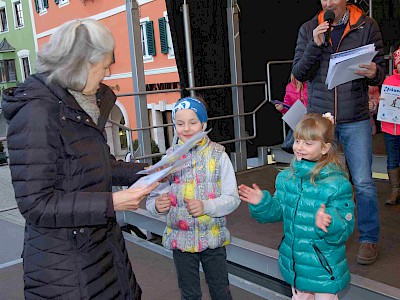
{"x": 268, "y": 31}
{"x": 210, "y": 58}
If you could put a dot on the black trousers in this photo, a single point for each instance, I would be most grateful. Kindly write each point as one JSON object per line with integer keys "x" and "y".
{"x": 215, "y": 268}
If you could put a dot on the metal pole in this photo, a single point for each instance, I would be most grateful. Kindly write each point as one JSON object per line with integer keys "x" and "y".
{"x": 370, "y": 9}
{"x": 240, "y": 156}
{"x": 188, "y": 45}
{"x": 135, "y": 45}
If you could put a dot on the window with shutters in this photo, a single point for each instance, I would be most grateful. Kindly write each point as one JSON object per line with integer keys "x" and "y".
{"x": 7, "y": 71}
{"x": 18, "y": 15}
{"x": 62, "y": 3}
{"x": 163, "y": 35}
{"x": 3, "y": 20}
{"x": 25, "y": 67}
{"x": 24, "y": 63}
{"x": 170, "y": 44}
{"x": 147, "y": 39}
{"x": 41, "y": 6}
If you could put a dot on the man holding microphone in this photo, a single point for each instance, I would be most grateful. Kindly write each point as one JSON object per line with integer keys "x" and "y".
{"x": 317, "y": 39}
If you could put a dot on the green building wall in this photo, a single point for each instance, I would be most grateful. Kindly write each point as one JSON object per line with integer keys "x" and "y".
{"x": 20, "y": 38}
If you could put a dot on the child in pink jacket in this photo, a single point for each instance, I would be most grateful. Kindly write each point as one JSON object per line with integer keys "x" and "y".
{"x": 295, "y": 90}
{"x": 392, "y": 139}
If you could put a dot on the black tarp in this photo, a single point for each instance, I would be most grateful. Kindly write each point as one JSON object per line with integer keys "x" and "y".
{"x": 268, "y": 32}
{"x": 210, "y": 58}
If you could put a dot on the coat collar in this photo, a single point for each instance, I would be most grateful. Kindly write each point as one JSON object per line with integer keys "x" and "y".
{"x": 60, "y": 92}
{"x": 106, "y": 98}
{"x": 303, "y": 169}
{"x": 356, "y": 16}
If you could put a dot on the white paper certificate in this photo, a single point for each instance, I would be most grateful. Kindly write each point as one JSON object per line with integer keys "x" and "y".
{"x": 389, "y": 105}
{"x": 294, "y": 114}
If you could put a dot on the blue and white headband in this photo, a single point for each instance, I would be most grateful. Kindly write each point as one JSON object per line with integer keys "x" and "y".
{"x": 193, "y": 104}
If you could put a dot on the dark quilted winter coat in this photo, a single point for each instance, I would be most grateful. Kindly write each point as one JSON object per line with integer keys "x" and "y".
{"x": 348, "y": 102}
{"x": 62, "y": 173}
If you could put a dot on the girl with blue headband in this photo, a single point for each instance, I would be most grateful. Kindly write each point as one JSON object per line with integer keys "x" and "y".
{"x": 196, "y": 200}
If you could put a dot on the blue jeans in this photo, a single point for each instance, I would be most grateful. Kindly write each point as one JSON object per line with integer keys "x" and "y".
{"x": 356, "y": 139}
{"x": 392, "y": 143}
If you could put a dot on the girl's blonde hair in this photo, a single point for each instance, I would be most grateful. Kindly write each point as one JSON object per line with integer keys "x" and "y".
{"x": 298, "y": 84}
{"x": 315, "y": 127}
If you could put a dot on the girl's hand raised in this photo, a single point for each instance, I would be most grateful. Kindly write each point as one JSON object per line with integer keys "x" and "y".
{"x": 250, "y": 195}
{"x": 322, "y": 220}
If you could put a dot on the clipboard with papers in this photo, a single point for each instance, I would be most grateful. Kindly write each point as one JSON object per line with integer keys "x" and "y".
{"x": 343, "y": 64}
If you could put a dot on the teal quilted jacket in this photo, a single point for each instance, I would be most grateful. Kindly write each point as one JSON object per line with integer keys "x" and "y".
{"x": 310, "y": 259}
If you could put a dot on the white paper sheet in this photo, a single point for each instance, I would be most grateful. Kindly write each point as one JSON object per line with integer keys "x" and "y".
{"x": 294, "y": 114}
{"x": 157, "y": 176}
{"x": 171, "y": 158}
{"x": 343, "y": 64}
{"x": 389, "y": 108}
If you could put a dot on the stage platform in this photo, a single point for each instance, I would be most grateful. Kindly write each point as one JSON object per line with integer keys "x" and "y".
{"x": 156, "y": 273}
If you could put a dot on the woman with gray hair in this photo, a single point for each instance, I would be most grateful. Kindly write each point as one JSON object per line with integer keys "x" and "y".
{"x": 63, "y": 172}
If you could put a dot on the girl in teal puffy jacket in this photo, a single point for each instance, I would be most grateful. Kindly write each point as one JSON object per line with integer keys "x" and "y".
{"x": 314, "y": 199}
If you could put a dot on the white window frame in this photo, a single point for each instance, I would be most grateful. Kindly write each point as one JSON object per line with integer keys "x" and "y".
{"x": 21, "y": 55}
{"x": 171, "y": 53}
{"x": 3, "y": 6}
{"x": 142, "y": 2}
{"x": 15, "y": 14}
{"x": 62, "y": 3}
{"x": 143, "y": 40}
{"x": 42, "y": 9}
{"x": 8, "y": 71}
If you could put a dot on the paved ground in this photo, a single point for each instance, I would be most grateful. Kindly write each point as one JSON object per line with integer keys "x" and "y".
{"x": 8, "y": 206}
{"x": 154, "y": 272}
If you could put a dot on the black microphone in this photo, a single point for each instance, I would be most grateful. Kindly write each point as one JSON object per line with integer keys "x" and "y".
{"x": 329, "y": 16}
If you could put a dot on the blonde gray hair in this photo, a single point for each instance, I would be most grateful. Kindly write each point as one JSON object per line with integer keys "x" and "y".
{"x": 72, "y": 48}
{"x": 315, "y": 127}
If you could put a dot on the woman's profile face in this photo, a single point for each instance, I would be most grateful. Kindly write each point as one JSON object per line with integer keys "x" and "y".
{"x": 96, "y": 74}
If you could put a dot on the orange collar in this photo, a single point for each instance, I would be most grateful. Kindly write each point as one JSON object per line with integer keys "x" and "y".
{"x": 355, "y": 15}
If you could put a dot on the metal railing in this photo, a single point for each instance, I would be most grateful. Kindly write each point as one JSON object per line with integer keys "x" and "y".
{"x": 275, "y": 62}
{"x": 221, "y": 86}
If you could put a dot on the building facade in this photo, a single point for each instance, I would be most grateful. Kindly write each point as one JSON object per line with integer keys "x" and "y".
{"x": 17, "y": 47}
{"x": 158, "y": 57}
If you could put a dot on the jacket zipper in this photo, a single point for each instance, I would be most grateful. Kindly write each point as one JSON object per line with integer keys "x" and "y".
{"x": 336, "y": 106}
{"x": 195, "y": 219}
{"x": 337, "y": 49}
{"x": 294, "y": 218}
{"x": 323, "y": 261}
{"x": 75, "y": 247}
